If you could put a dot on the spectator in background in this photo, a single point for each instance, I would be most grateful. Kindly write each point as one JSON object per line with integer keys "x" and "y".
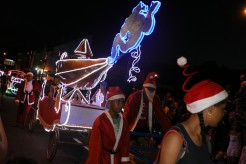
{"x": 109, "y": 140}
{"x": 27, "y": 92}
{"x": 235, "y": 144}
{"x": 4, "y": 83}
{"x": 170, "y": 107}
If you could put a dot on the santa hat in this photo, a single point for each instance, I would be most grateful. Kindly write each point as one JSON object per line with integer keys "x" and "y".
{"x": 115, "y": 93}
{"x": 150, "y": 80}
{"x": 203, "y": 94}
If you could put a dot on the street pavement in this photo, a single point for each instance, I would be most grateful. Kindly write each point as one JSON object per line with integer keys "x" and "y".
{"x": 33, "y": 144}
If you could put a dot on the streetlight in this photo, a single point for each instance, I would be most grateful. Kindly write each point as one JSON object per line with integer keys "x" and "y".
{"x": 244, "y": 11}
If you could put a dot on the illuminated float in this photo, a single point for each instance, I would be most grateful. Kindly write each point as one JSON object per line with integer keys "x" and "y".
{"x": 14, "y": 77}
{"x": 66, "y": 107}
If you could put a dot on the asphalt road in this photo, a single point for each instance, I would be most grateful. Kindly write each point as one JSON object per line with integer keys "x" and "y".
{"x": 34, "y": 144}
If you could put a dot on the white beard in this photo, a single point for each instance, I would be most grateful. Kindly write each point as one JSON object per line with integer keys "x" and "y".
{"x": 149, "y": 94}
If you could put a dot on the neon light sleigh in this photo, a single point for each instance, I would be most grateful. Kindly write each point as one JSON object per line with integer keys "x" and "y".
{"x": 66, "y": 106}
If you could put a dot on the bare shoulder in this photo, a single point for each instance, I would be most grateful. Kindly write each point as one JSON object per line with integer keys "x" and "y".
{"x": 171, "y": 146}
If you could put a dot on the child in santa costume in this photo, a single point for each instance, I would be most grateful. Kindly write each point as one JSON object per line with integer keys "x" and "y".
{"x": 187, "y": 142}
{"x": 109, "y": 140}
{"x": 143, "y": 106}
{"x": 28, "y": 91}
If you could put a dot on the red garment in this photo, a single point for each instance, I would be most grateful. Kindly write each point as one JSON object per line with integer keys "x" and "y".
{"x": 132, "y": 108}
{"x": 103, "y": 140}
{"x": 31, "y": 96}
{"x": 26, "y": 100}
{"x": 47, "y": 113}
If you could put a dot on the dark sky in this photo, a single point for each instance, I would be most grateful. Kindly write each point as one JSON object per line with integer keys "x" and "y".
{"x": 200, "y": 30}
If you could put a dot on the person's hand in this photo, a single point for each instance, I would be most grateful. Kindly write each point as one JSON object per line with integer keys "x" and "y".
{"x": 17, "y": 101}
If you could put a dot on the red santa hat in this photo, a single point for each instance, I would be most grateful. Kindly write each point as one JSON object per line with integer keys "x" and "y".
{"x": 150, "y": 80}
{"x": 203, "y": 94}
{"x": 115, "y": 93}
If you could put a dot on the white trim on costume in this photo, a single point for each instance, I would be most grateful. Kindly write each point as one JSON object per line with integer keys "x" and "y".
{"x": 119, "y": 96}
{"x": 125, "y": 159}
{"x": 139, "y": 112}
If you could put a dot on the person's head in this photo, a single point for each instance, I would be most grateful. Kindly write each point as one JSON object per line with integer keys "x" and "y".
{"x": 209, "y": 98}
{"x": 115, "y": 99}
{"x": 242, "y": 77}
{"x": 29, "y": 76}
{"x": 103, "y": 85}
{"x": 149, "y": 85}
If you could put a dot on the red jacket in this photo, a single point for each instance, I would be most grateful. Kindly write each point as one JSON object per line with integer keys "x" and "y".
{"x": 103, "y": 141}
{"x": 132, "y": 108}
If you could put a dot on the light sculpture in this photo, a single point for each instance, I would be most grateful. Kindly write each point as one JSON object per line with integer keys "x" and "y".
{"x": 80, "y": 72}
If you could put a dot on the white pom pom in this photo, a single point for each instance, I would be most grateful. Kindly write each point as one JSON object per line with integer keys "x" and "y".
{"x": 182, "y": 61}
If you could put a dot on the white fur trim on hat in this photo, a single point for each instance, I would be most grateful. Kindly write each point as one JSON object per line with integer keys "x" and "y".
{"x": 202, "y": 104}
{"x": 119, "y": 96}
{"x": 149, "y": 85}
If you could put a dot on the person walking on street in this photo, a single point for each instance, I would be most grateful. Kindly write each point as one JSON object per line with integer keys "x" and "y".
{"x": 109, "y": 140}
{"x": 143, "y": 108}
{"x": 27, "y": 92}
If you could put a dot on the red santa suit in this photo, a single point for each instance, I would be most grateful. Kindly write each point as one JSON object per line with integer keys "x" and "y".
{"x": 136, "y": 111}
{"x": 105, "y": 147}
{"x": 26, "y": 95}
{"x": 139, "y": 110}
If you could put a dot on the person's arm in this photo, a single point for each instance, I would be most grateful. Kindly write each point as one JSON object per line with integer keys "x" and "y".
{"x": 3, "y": 142}
{"x": 170, "y": 148}
{"x": 95, "y": 145}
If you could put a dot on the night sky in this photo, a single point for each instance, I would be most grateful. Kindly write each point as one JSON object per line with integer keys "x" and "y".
{"x": 200, "y": 30}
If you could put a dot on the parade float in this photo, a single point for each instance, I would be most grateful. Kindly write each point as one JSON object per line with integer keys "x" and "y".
{"x": 66, "y": 106}
{"x": 14, "y": 78}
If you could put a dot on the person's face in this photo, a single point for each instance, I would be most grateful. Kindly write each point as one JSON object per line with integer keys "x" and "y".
{"x": 151, "y": 90}
{"x": 29, "y": 77}
{"x": 117, "y": 105}
{"x": 103, "y": 87}
{"x": 215, "y": 114}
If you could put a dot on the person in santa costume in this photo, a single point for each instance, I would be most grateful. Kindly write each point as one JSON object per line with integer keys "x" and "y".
{"x": 28, "y": 91}
{"x": 187, "y": 142}
{"x": 109, "y": 139}
{"x": 99, "y": 97}
{"x": 143, "y": 108}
